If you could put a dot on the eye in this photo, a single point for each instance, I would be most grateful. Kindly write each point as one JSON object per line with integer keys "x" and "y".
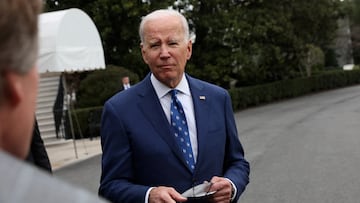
{"x": 154, "y": 45}
{"x": 173, "y": 43}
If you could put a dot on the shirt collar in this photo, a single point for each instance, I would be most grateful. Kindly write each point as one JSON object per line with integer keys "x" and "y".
{"x": 161, "y": 89}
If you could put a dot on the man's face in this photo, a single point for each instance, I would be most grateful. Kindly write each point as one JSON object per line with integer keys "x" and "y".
{"x": 20, "y": 118}
{"x": 165, "y": 49}
{"x": 125, "y": 80}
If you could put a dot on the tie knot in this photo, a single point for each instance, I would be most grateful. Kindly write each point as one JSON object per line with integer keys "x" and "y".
{"x": 173, "y": 93}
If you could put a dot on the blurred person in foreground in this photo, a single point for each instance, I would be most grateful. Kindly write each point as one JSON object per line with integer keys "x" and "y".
{"x": 170, "y": 132}
{"x": 21, "y": 182}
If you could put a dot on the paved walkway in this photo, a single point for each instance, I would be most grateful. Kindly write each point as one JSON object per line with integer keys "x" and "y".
{"x": 304, "y": 150}
{"x": 62, "y": 155}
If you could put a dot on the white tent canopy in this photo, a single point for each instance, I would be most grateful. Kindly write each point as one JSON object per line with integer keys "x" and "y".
{"x": 69, "y": 41}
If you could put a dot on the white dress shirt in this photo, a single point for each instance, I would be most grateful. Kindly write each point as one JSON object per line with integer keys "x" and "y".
{"x": 184, "y": 96}
{"x": 126, "y": 86}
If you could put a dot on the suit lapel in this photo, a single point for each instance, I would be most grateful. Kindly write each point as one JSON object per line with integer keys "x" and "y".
{"x": 152, "y": 110}
{"x": 201, "y": 102}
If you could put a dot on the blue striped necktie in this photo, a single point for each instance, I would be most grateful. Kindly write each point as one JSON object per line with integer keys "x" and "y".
{"x": 181, "y": 130}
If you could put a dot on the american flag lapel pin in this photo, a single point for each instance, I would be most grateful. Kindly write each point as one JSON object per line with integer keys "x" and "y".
{"x": 202, "y": 97}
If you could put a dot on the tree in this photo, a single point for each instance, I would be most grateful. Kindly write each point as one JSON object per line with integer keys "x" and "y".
{"x": 257, "y": 41}
{"x": 316, "y": 24}
{"x": 247, "y": 41}
{"x": 354, "y": 15}
{"x": 241, "y": 42}
{"x": 312, "y": 59}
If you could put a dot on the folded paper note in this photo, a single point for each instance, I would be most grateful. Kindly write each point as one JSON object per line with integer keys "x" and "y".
{"x": 201, "y": 190}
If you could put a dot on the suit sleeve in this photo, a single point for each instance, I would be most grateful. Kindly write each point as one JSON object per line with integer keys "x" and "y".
{"x": 236, "y": 168}
{"x": 116, "y": 178}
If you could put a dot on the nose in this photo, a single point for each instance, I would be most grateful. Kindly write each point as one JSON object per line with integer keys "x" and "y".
{"x": 164, "y": 52}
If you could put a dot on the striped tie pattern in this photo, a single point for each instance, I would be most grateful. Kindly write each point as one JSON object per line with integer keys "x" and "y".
{"x": 179, "y": 124}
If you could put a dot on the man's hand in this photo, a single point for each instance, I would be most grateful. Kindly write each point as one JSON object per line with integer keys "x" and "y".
{"x": 165, "y": 195}
{"x": 223, "y": 189}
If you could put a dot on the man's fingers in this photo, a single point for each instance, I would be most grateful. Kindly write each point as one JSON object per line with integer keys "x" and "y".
{"x": 222, "y": 186}
{"x": 221, "y": 199}
{"x": 177, "y": 196}
{"x": 165, "y": 194}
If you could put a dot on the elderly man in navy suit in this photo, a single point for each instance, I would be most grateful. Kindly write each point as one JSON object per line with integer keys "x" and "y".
{"x": 170, "y": 132}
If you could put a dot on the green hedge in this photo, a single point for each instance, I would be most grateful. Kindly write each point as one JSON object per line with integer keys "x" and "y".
{"x": 83, "y": 116}
{"x": 100, "y": 85}
{"x": 261, "y": 94}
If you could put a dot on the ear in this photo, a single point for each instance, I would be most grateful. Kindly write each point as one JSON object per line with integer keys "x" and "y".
{"x": 14, "y": 91}
{"x": 189, "y": 50}
{"x": 143, "y": 53}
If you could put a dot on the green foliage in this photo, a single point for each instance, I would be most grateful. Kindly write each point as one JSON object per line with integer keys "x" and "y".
{"x": 356, "y": 67}
{"x": 265, "y": 93}
{"x": 312, "y": 60}
{"x": 256, "y": 41}
{"x": 81, "y": 118}
{"x": 100, "y": 85}
{"x": 354, "y": 6}
{"x": 117, "y": 22}
{"x": 240, "y": 42}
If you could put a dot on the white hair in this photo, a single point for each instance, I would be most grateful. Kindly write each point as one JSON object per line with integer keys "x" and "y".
{"x": 164, "y": 13}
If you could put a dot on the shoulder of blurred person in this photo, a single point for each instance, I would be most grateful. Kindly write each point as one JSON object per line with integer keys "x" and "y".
{"x": 23, "y": 183}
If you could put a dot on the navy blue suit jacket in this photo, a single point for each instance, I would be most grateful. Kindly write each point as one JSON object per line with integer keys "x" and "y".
{"x": 139, "y": 150}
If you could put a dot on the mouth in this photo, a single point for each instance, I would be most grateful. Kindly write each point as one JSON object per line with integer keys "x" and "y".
{"x": 166, "y": 66}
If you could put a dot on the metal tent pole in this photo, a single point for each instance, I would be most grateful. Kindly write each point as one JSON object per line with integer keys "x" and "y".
{"x": 78, "y": 127}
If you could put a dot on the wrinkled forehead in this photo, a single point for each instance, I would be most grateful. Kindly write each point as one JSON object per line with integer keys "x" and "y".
{"x": 163, "y": 21}
{"x": 169, "y": 26}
